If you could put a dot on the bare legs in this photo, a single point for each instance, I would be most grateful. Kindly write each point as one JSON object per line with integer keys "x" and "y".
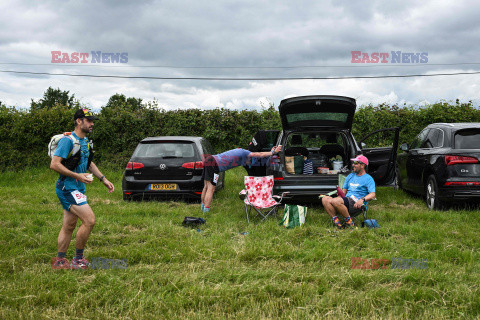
{"x": 207, "y": 193}
{"x": 86, "y": 215}
{"x": 334, "y": 206}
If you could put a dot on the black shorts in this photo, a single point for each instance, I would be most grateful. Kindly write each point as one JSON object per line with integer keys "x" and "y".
{"x": 349, "y": 202}
{"x": 210, "y": 170}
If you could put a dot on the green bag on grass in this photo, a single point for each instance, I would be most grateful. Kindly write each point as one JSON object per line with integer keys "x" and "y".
{"x": 293, "y": 216}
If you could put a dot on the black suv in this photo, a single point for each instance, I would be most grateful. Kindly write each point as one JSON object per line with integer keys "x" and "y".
{"x": 167, "y": 167}
{"x": 318, "y": 128}
{"x": 442, "y": 163}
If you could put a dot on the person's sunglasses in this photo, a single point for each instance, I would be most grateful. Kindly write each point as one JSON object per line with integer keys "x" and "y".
{"x": 357, "y": 162}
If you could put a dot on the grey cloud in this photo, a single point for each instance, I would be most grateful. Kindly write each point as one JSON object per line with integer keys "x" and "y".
{"x": 232, "y": 33}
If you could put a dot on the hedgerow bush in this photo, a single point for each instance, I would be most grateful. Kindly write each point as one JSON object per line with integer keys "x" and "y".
{"x": 24, "y": 135}
{"x": 411, "y": 119}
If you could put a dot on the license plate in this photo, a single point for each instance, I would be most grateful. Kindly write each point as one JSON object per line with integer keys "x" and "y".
{"x": 162, "y": 186}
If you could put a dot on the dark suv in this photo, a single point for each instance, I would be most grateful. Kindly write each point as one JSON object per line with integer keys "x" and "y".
{"x": 167, "y": 167}
{"x": 318, "y": 129}
{"x": 442, "y": 163}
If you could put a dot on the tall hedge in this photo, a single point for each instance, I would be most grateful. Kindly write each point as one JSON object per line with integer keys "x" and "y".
{"x": 24, "y": 135}
{"x": 411, "y": 119}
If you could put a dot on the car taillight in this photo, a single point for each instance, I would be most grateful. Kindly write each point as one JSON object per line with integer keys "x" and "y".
{"x": 189, "y": 165}
{"x": 462, "y": 183}
{"x": 134, "y": 165}
{"x": 451, "y": 160}
{"x": 278, "y": 178}
{"x": 193, "y": 165}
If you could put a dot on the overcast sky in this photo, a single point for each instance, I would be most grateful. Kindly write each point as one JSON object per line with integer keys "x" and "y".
{"x": 259, "y": 38}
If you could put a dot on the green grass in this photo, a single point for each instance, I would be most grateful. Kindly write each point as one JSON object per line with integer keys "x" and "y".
{"x": 175, "y": 272}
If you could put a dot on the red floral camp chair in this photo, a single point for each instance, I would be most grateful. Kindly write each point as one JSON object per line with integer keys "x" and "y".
{"x": 258, "y": 195}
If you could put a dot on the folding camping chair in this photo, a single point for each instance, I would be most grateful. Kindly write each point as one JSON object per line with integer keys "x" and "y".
{"x": 258, "y": 195}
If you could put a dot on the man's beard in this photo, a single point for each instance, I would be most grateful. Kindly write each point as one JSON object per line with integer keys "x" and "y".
{"x": 86, "y": 129}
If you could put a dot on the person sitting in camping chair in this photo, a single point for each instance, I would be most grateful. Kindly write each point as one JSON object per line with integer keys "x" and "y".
{"x": 359, "y": 188}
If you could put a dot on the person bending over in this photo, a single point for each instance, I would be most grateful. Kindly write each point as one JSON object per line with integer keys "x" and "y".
{"x": 214, "y": 164}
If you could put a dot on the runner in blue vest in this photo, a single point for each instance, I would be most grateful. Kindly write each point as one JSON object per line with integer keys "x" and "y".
{"x": 214, "y": 164}
{"x": 70, "y": 189}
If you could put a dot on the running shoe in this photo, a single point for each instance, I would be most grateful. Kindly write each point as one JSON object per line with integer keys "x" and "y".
{"x": 349, "y": 224}
{"x": 80, "y": 263}
{"x": 60, "y": 263}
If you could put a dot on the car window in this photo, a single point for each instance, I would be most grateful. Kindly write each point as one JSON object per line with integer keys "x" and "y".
{"x": 467, "y": 139}
{"x": 434, "y": 138}
{"x": 271, "y": 137}
{"x": 418, "y": 141}
{"x": 440, "y": 136}
{"x": 207, "y": 147}
{"x": 380, "y": 139}
{"x": 334, "y": 116}
{"x": 314, "y": 140}
{"x": 165, "y": 150}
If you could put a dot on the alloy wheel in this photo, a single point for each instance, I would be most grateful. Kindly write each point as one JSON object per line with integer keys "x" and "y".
{"x": 431, "y": 194}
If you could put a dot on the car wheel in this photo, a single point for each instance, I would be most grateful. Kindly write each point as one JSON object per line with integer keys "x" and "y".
{"x": 431, "y": 194}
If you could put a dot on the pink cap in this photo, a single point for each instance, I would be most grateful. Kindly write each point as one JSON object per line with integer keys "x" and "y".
{"x": 361, "y": 159}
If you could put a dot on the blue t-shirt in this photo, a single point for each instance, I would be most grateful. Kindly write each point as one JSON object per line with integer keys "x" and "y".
{"x": 231, "y": 159}
{"x": 359, "y": 186}
{"x": 260, "y": 162}
{"x": 65, "y": 146}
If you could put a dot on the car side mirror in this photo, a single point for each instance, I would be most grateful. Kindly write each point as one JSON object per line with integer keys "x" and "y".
{"x": 404, "y": 147}
{"x": 363, "y": 145}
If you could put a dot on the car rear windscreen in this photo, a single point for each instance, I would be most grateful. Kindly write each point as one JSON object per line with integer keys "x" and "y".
{"x": 165, "y": 150}
{"x": 332, "y": 116}
{"x": 467, "y": 139}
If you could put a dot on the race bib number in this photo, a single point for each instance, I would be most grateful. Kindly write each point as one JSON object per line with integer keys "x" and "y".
{"x": 215, "y": 178}
{"x": 78, "y": 196}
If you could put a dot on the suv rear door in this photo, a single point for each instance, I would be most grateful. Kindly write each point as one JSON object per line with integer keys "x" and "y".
{"x": 382, "y": 154}
{"x": 262, "y": 141}
{"x": 317, "y": 112}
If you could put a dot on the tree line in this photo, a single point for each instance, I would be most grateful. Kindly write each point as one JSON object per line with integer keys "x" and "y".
{"x": 124, "y": 121}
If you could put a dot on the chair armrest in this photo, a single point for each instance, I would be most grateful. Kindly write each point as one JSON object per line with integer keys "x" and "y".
{"x": 242, "y": 194}
{"x": 283, "y": 194}
{"x": 328, "y": 194}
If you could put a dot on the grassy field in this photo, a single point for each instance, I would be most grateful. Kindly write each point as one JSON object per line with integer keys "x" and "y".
{"x": 271, "y": 272}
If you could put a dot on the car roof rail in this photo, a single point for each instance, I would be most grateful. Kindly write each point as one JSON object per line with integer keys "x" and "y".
{"x": 443, "y": 123}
